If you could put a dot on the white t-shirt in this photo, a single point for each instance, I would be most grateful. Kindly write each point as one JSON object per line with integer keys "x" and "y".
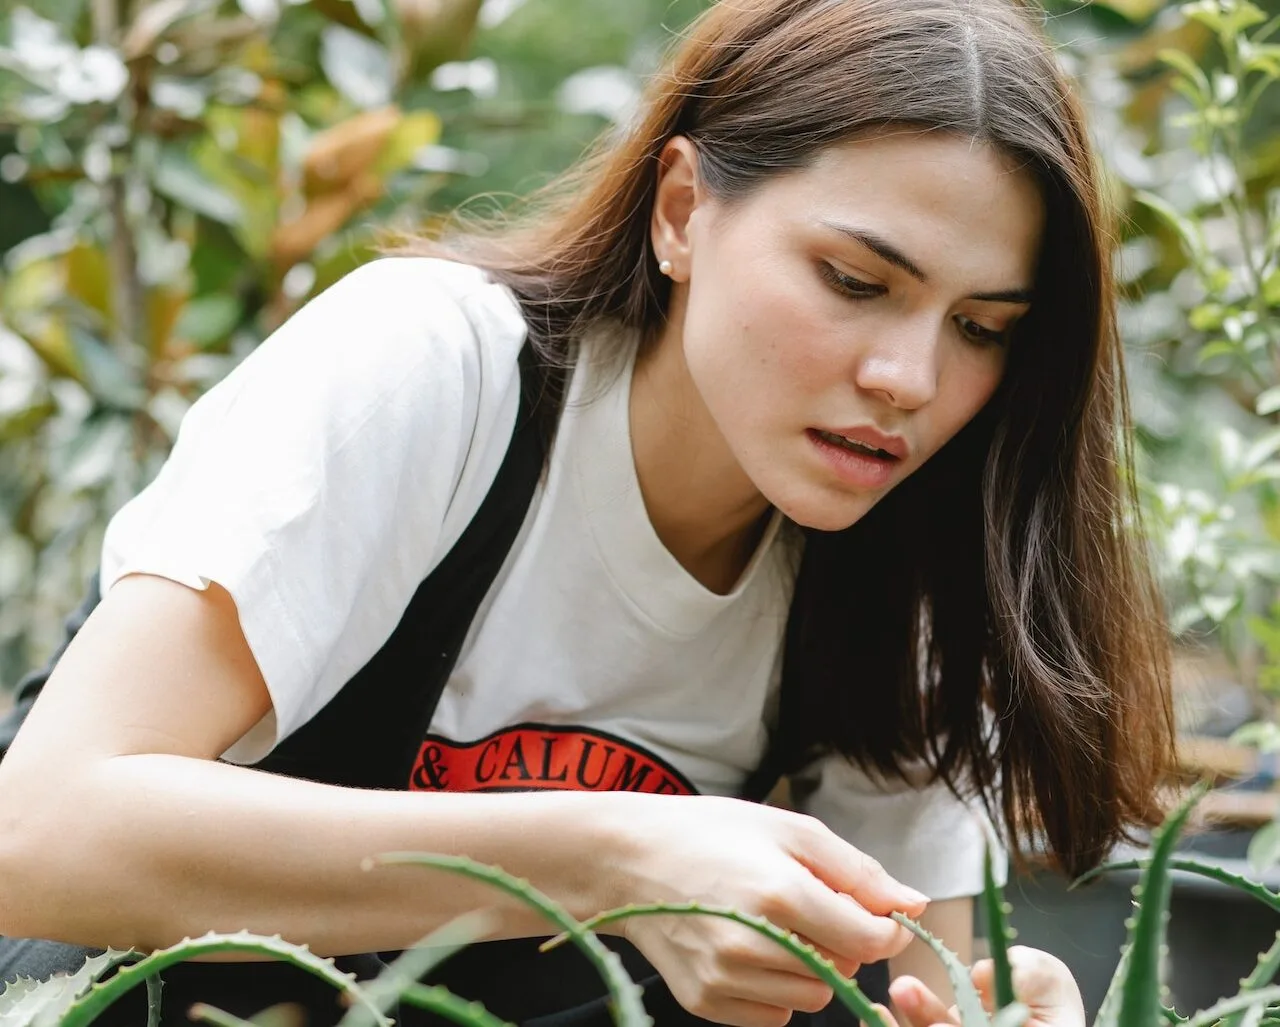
{"x": 329, "y": 473}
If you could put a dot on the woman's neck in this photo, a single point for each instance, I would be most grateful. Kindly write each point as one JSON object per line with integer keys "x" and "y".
{"x": 707, "y": 512}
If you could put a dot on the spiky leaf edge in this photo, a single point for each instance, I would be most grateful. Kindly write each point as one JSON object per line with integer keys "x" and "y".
{"x": 968, "y": 1002}
{"x": 999, "y": 934}
{"x": 1236, "y": 1003}
{"x": 847, "y": 991}
{"x": 624, "y": 993}
{"x": 155, "y": 991}
{"x": 102, "y": 995}
{"x": 411, "y": 964}
{"x": 1137, "y": 977}
{"x": 438, "y": 999}
{"x": 1260, "y": 892}
{"x": 1262, "y": 975}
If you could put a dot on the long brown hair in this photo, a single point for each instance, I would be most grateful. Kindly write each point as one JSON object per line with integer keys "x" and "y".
{"x": 993, "y": 616}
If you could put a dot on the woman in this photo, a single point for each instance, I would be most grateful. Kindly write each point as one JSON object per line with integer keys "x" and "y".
{"x": 820, "y": 347}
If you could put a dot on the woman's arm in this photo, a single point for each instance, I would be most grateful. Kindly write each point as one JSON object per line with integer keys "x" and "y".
{"x": 117, "y": 827}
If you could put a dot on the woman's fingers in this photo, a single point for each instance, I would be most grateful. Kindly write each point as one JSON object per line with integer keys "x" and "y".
{"x": 1042, "y": 981}
{"x": 919, "y": 1006}
{"x": 790, "y": 990}
{"x": 885, "y": 1015}
{"x": 840, "y": 925}
{"x": 848, "y": 870}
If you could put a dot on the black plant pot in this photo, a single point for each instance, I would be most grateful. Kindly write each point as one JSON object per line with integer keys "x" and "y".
{"x": 1215, "y": 931}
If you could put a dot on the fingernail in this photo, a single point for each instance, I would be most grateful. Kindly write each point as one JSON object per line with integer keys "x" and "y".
{"x": 914, "y": 897}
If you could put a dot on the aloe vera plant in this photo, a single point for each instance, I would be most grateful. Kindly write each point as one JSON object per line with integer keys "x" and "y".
{"x": 1136, "y": 997}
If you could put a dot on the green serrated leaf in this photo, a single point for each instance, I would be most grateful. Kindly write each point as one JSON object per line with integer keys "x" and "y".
{"x": 101, "y": 996}
{"x": 999, "y": 934}
{"x": 438, "y": 999}
{"x": 155, "y": 992}
{"x": 624, "y": 992}
{"x": 411, "y": 964}
{"x": 847, "y": 991}
{"x": 968, "y": 1002}
{"x": 1244, "y": 1001}
{"x": 1109, "y": 1009}
{"x": 1191, "y": 866}
{"x": 47, "y": 1003}
{"x": 1262, "y": 975}
{"x": 1141, "y": 986}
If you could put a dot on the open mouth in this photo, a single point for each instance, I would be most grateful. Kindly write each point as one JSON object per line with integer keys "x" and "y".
{"x": 855, "y": 446}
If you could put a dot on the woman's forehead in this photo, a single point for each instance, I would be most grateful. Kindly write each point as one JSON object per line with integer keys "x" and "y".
{"x": 950, "y": 204}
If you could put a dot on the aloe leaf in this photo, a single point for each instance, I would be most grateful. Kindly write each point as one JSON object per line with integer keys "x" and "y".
{"x": 999, "y": 934}
{"x": 847, "y": 991}
{"x": 1236, "y": 1003}
{"x": 155, "y": 989}
{"x": 1013, "y": 1015}
{"x": 968, "y": 1002}
{"x": 624, "y": 993}
{"x": 1138, "y": 976}
{"x": 1191, "y": 866}
{"x": 1109, "y": 1009}
{"x": 102, "y": 995}
{"x": 33, "y": 1003}
{"x": 438, "y": 999}
{"x": 411, "y": 964}
{"x": 1262, "y": 975}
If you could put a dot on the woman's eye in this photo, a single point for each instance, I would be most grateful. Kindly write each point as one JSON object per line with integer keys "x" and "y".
{"x": 849, "y": 285}
{"x": 982, "y": 334}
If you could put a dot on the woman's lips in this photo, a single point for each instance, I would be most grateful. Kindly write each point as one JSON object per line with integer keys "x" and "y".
{"x": 859, "y": 468}
{"x": 866, "y": 435}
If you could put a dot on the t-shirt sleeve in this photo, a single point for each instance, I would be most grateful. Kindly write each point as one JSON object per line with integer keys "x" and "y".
{"x": 922, "y": 834}
{"x": 326, "y": 475}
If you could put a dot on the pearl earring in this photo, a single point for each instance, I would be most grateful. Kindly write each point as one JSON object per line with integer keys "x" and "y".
{"x": 664, "y": 266}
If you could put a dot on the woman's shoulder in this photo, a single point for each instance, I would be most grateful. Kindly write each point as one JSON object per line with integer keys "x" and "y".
{"x": 439, "y": 335}
{"x": 397, "y": 297}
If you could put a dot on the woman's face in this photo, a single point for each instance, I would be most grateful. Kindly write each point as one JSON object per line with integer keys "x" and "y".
{"x": 840, "y": 324}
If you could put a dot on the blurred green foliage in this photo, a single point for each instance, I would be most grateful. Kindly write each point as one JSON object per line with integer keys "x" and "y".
{"x": 177, "y": 176}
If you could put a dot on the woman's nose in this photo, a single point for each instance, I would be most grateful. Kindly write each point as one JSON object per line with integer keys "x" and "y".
{"x": 903, "y": 367}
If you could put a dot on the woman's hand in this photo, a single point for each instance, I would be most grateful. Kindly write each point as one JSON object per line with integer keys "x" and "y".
{"x": 762, "y": 861}
{"x": 1040, "y": 980}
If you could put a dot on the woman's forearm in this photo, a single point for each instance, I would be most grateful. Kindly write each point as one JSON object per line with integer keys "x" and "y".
{"x": 143, "y": 850}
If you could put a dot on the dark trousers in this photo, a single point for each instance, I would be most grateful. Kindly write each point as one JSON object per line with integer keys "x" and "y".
{"x": 513, "y": 980}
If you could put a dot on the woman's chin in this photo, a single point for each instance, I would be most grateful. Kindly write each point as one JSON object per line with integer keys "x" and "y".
{"x": 821, "y": 511}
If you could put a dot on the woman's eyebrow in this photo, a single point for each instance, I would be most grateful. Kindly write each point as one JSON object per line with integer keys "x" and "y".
{"x": 884, "y": 249}
{"x": 1005, "y": 296}
{"x": 881, "y": 247}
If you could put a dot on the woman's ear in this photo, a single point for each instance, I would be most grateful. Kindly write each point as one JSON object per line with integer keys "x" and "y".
{"x": 677, "y": 195}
